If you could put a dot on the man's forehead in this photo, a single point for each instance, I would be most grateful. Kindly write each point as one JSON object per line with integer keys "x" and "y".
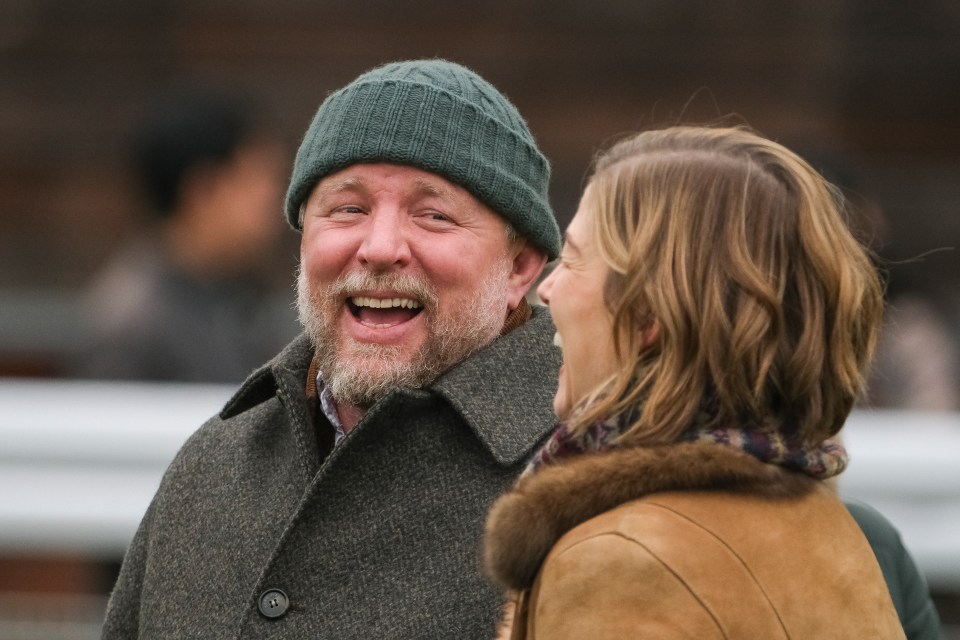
{"x": 366, "y": 176}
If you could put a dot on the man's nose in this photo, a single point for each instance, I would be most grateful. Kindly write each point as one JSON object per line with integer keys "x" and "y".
{"x": 386, "y": 245}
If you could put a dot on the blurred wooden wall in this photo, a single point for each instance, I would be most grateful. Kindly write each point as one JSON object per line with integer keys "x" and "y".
{"x": 875, "y": 83}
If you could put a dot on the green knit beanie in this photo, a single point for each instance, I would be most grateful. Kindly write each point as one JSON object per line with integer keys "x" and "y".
{"x": 440, "y": 117}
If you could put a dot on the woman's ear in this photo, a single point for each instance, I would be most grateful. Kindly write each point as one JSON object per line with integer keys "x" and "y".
{"x": 649, "y": 335}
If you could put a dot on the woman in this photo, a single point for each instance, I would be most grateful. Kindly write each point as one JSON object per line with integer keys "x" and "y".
{"x": 716, "y": 317}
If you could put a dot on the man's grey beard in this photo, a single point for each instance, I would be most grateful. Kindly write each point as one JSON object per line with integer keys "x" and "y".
{"x": 366, "y": 372}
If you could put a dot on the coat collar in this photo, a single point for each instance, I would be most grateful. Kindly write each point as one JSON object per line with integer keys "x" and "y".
{"x": 503, "y": 391}
{"x": 290, "y": 365}
{"x": 525, "y": 523}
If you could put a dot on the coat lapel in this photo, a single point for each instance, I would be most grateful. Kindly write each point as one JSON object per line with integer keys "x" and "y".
{"x": 505, "y": 391}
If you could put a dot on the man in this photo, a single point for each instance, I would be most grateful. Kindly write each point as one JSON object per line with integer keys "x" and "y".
{"x": 342, "y": 492}
{"x": 183, "y": 301}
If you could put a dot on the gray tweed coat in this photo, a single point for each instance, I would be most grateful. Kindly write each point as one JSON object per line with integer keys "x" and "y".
{"x": 381, "y": 540}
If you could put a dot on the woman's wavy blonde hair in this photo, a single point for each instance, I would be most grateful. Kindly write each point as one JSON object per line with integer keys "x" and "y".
{"x": 767, "y": 307}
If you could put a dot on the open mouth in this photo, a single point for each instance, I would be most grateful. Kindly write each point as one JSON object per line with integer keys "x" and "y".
{"x": 383, "y": 312}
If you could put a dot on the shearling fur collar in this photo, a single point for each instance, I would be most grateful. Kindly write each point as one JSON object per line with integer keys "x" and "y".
{"x": 525, "y": 523}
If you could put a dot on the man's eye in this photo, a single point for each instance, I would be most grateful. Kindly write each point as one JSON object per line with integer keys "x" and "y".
{"x": 436, "y": 216}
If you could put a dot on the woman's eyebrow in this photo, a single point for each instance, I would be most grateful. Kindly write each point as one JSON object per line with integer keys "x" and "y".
{"x": 568, "y": 241}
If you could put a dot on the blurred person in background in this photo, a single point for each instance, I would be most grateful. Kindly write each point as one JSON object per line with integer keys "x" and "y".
{"x": 186, "y": 300}
{"x": 908, "y": 588}
{"x": 917, "y": 366}
{"x": 917, "y": 363}
{"x": 716, "y": 319}
{"x": 341, "y": 493}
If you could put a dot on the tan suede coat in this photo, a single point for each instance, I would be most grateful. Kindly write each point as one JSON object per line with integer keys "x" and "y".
{"x": 696, "y": 541}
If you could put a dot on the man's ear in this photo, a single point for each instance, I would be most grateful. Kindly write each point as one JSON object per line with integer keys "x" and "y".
{"x": 528, "y": 263}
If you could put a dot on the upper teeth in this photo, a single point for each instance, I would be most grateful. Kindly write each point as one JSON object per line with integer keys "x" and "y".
{"x": 556, "y": 340}
{"x": 386, "y": 303}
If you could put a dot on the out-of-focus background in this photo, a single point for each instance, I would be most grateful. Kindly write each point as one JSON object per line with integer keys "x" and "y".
{"x": 90, "y": 259}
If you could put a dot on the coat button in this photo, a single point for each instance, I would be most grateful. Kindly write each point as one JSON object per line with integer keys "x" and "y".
{"x": 273, "y": 603}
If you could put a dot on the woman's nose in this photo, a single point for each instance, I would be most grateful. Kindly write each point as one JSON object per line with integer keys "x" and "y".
{"x": 543, "y": 291}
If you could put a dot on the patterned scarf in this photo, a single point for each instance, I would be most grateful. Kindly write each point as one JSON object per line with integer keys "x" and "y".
{"x": 768, "y": 445}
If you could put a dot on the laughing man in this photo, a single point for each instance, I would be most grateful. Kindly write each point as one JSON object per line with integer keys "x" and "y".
{"x": 342, "y": 492}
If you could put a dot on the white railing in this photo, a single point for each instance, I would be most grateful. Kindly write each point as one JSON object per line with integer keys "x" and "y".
{"x": 79, "y": 462}
{"x": 907, "y": 466}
